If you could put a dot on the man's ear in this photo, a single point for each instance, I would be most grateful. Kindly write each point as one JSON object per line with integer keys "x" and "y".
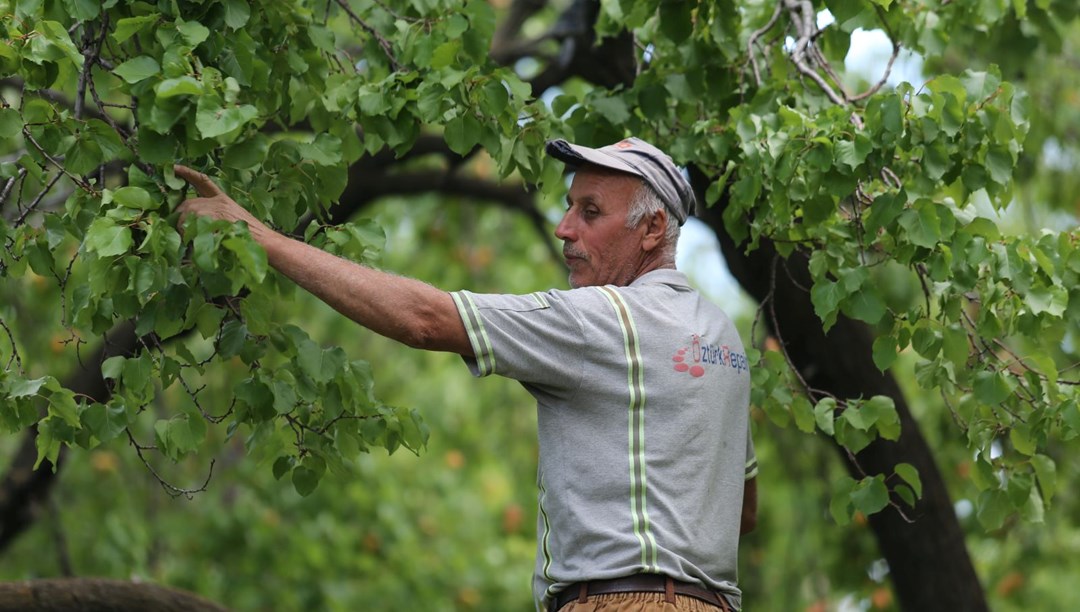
{"x": 655, "y": 230}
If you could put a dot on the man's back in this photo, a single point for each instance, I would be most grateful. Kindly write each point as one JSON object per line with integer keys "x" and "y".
{"x": 642, "y": 394}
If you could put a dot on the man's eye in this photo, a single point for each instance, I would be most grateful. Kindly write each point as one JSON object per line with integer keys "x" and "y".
{"x": 591, "y": 212}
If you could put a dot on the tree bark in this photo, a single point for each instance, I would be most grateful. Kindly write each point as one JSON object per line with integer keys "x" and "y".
{"x": 98, "y": 595}
{"x": 928, "y": 558}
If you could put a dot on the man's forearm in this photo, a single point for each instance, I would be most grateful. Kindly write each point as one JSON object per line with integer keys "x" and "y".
{"x": 404, "y": 309}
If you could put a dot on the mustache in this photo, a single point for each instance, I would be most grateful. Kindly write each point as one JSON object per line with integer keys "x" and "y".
{"x": 569, "y": 252}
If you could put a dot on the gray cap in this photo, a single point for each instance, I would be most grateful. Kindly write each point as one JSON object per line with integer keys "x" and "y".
{"x": 637, "y": 157}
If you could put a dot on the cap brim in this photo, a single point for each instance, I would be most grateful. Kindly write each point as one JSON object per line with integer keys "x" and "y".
{"x": 577, "y": 155}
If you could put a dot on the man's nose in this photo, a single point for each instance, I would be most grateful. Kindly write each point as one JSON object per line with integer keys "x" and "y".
{"x": 564, "y": 230}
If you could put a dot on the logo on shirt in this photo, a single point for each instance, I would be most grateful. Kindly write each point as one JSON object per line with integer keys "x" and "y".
{"x": 699, "y": 356}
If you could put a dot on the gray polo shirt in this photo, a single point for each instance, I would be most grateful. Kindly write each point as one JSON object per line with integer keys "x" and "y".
{"x": 642, "y": 396}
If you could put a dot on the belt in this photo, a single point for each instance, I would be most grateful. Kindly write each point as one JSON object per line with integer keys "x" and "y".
{"x": 639, "y": 583}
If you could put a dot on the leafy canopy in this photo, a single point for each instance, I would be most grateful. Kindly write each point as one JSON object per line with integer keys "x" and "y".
{"x": 900, "y": 185}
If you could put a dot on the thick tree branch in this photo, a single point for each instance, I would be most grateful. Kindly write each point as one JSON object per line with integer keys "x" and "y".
{"x": 98, "y": 594}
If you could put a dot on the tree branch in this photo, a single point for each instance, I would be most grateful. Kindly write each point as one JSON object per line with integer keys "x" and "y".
{"x": 54, "y": 594}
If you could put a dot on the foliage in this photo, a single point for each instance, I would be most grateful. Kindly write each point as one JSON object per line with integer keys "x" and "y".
{"x": 904, "y": 199}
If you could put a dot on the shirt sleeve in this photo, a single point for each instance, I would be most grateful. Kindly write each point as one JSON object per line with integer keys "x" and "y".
{"x": 536, "y": 338}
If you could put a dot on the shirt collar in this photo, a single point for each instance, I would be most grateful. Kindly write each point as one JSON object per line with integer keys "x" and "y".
{"x": 663, "y": 276}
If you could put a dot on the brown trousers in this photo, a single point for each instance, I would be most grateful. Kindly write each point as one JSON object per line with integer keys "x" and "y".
{"x": 638, "y": 602}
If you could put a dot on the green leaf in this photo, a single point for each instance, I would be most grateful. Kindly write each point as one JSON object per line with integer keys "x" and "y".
{"x": 179, "y": 86}
{"x": 83, "y": 10}
{"x": 57, "y": 34}
{"x": 676, "y": 20}
{"x": 48, "y": 446}
{"x": 884, "y": 352}
{"x": 233, "y": 336}
{"x": 955, "y": 345}
{"x": 825, "y": 415}
{"x": 305, "y": 480}
{"x": 246, "y": 154}
{"x": 1046, "y": 472}
{"x": 883, "y": 411}
{"x": 26, "y": 388}
{"x": 994, "y": 507}
{"x": 133, "y": 197}
{"x": 62, "y": 404}
{"x": 11, "y": 123}
{"x": 193, "y": 32}
{"x": 1022, "y": 441}
{"x": 999, "y": 163}
{"x": 318, "y": 363}
{"x": 137, "y": 69}
{"x": 803, "y": 413}
{"x": 130, "y": 26}
{"x": 866, "y": 305}
{"x": 460, "y": 133}
{"x": 992, "y": 388}
{"x": 105, "y": 421}
{"x": 926, "y": 340}
{"x": 283, "y": 465}
{"x": 284, "y": 394}
{"x": 237, "y": 13}
{"x": 859, "y": 418}
{"x": 84, "y": 157}
{"x": 112, "y": 367}
{"x": 922, "y": 224}
{"x": 910, "y": 476}
{"x": 250, "y": 255}
{"x": 107, "y": 239}
{"x": 870, "y": 495}
{"x": 611, "y": 108}
{"x": 444, "y": 54}
{"x": 826, "y": 296}
{"x": 885, "y": 209}
{"x": 213, "y": 120}
{"x": 1051, "y": 300}
{"x": 840, "y": 504}
{"x": 325, "y": 150}
{"x": 852, "y": 153}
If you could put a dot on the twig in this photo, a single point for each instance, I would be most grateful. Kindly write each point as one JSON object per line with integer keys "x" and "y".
{"x": 78, "y": 181}
{"x": 758, "y": 33}
{"x": 385, "y": 44}
{"x": 9, "y": 184}
{"x": 14, "y": 350}
{"x": 37, "y": 200}
{"x": 802, "y": 16}
{"x": 172, "y": 490}
{"x": 892, "y": 58}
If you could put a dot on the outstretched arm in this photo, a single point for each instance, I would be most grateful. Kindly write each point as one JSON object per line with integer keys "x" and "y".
{"x": 404, "y": 309}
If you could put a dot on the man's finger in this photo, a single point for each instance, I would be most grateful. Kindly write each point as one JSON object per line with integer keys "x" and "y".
{"x": 205, "y": 187}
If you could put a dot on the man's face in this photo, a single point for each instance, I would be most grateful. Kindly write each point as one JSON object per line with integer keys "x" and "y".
{"x": 599, "y": 248}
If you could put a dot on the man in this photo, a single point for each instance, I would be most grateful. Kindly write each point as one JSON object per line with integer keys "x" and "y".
{"x": 647, "y": 472}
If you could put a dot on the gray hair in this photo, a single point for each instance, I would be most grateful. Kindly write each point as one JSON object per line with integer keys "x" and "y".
{"x": 644, "y": 203}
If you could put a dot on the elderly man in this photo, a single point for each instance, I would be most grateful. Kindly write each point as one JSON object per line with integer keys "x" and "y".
{"x": 647, "y": 472}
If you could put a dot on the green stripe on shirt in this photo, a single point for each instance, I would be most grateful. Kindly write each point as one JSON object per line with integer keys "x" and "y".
{"x": 485, "y": 359}
{"x": 636, "y": 429}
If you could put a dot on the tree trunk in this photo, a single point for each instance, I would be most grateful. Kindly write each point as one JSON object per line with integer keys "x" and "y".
{"x": 98, "y": 595}
{"x": 928, "y": 558}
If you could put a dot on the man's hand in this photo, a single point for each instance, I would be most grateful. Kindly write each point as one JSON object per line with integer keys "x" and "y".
{"x": 213, "y": 203}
